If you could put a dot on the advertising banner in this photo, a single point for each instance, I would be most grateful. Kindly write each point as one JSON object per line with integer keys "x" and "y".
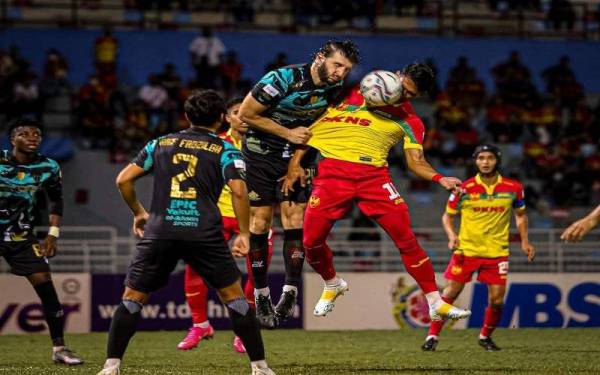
{"x": 393, "y": 300}
{"x": 21, "y": 310}
{"x": 167, "y": 309}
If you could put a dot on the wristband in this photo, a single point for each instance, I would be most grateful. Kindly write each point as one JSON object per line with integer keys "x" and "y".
{"x": 437, "y": 177}
{"x": 54, "y": 231}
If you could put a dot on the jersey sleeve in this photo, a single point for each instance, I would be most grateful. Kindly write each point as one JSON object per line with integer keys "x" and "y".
{"x": 414, "y": 133}
{"x": 272, "y": 87}
{"x": 519, "y": 201}
{"x": 232, "y": 164}
{"x": 145, "y": 158}
{"x": 53, "y": 187}
{"x": 453, "y": 205}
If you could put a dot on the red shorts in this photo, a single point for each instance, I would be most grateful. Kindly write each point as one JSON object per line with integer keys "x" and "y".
{"x": 489, "y": 270}
{"x": 230, "y": 227}
{"x": 339, "y": 184}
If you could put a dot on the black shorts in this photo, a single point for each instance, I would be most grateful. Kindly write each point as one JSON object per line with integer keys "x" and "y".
{"x": 154, "y": 260}
{"x": 263, "y": 173}
{"x": 24, "y": 257}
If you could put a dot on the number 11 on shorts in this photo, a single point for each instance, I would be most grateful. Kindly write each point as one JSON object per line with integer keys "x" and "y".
{"x": 392, "y": 190}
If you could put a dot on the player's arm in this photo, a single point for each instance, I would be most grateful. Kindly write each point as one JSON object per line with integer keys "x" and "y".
{"x": 295, "y": 171}
{"x": 250, "y": 113}
{"x": 581, "y": 227}
{"x": 55, "y": 197}
{"x": 523, "y": 227}
{"x": 448, "y": 224}
{"x": 416, "y": 162}
{"x": 241, "y": 208}
{"x": 126, "y": 185}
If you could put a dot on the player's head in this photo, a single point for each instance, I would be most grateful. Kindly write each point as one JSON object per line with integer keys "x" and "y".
{"x": 487, "y": 159}
{"x": 233, "y": 108}
{"x": 417, "y": 80}
{"x": 205, "y": 108}
{"x": 334, "y": 60}
{"x": 25, "y": 135}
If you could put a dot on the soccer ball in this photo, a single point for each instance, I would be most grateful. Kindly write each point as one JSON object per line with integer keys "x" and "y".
{"x": 381, "y": 87}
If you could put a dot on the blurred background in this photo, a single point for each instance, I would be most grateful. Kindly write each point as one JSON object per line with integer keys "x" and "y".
{"x": 105, "y": 76}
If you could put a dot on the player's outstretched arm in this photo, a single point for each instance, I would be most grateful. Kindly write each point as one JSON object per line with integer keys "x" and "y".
{"x": 241, "y": 207}
{"x": 523, "y": 227}
{"x": 295, "y": 171}
{"x": 448, "y": 224}
{"x": 415, "y": 160}
{"x": 250, "y": 113}
{"x": 576, "y": 231}
{"x": 126, "y": 185}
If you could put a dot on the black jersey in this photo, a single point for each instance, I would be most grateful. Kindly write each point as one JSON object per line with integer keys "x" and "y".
{"x": 190, "y": 169}
{"x": 293, "y": 100}
{"x": 19, "y": 183}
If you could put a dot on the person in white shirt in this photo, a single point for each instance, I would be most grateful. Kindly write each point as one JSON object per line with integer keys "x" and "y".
{"x": 206, "y": 52}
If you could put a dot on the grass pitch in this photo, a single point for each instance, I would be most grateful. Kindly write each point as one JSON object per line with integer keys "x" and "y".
{"x": 525, "y": 351}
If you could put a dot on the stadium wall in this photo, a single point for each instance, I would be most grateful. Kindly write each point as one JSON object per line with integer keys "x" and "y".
{"x": 145, "y": 52}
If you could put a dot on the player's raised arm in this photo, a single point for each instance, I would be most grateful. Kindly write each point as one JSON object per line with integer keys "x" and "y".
{"x": 126, "y": 185}
{"x": 416, "y": 162}
{"x": 576, "y": 231}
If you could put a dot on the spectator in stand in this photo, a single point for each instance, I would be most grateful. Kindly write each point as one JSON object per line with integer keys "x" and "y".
{"x": 106, "y": 51}
{"x": 279, "y": 62}
{"x": 55, "y": 81}
{"x": 171, "y": 81}
{"x": 155, "y": 99}
{"x": 513, "y": 80}
{"x": 93, "y": 113}
{"x": 568, "y": 93}
{"x": 231, "y": 73}
{"x": 561, "y": 12}
{"x": 467, "y": 139}
{"x": 26, "y": 101}
{"x": 206, "y": 52}
{"x": 9, "y": 72}
{"x": 464, "y": 86}
{"x": 555, "y": 75}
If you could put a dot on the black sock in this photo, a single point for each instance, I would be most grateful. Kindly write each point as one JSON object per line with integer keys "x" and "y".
{"x": 259, "y": 253}
{"x": 53, "y": 312}
{"x": 246, "y": 327}
{"x": 122, "y": 328}
{"x": 293, "y": 255}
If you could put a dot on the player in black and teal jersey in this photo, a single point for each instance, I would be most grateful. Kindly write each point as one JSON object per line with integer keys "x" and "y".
{"x": 279, "y": 110}
{"x": 23, "y": 173}
{"x": 190, "y": 169}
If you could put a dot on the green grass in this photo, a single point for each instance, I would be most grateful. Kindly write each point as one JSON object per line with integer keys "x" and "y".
{"x": 525, "y": 351}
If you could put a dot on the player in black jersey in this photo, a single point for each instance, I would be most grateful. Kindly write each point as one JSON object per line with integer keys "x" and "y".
{"x": 24, "y": 172}
{"x": 279, "y": 109}
{"x": 190, "y": 168}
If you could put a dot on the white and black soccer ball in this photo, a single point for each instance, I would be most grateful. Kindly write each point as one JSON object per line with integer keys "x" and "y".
{"x": 381, "y": 87}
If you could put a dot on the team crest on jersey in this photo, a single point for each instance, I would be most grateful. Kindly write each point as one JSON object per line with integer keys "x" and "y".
{"x": 314, "y": 99}
{"x": 20, "y": 175}
{"x": 314, "y": 201}
{"x": 410, "y": 307}
{"x": 475, "y": 196}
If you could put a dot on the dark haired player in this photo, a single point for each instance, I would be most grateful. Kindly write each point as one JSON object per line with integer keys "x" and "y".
{"x": 190, "y": 168}
{"x": 482, "y": 243}
{"x": 279, "y": 109}
{"x": 354, "y": 138}
{"x": 24, "y": 172}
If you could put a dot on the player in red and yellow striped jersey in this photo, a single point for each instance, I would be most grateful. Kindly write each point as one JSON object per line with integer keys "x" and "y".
{"x": 482, "y": 243}
{"x": 355, "y": 139}
{"x": 196, "y": 291}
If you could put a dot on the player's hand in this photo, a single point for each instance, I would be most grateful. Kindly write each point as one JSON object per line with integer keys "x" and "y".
{"x": 294, "y": 173}
{"x": 139, "y": 221}
{"x": 452, "y": 184}
{"x": 49, "y": 246}
{"x": 299, "y": 135}
{"x": 241, "y": 245}
{"x": 453, "y": 243}
{"x": 577, "y": 230}
{"x": 529, "y": 250}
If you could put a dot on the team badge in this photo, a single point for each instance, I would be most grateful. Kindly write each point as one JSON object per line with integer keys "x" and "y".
{"x": 456, "y": 270}
{"x": 20, "y": 175}
{"x": 253, "y": 196}
{"x": 314, "y": 99}
{"x": 398, "y": 201}
{"x": 475, "y": 197}
{"x": 314, "y": 201}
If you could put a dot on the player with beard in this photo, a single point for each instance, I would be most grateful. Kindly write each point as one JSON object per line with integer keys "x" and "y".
{"x": 482, "y": 244}
{"x": 279, "y": 109}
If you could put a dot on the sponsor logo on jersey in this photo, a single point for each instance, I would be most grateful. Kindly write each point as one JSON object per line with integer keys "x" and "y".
{"x": 348, "y": 120}
{"x": 489, "y": 209}
{"x": 272, "y": 91}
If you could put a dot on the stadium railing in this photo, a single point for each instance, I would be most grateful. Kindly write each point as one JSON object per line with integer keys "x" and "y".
{"x": 101, "y": 250}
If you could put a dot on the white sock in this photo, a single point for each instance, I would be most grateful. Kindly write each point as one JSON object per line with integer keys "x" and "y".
{"x": 431, "y": 337}
{"x": 57, "y": 348}
{"x": 262, "y": 291}
{"x": 204, "y": 324}
{"x": 259, "y": 364}
{"x": 433, "y": 299}
{"x": 333, "y": 282}
{"x": 288, "y": 288}
{"x": 111, "y": 362}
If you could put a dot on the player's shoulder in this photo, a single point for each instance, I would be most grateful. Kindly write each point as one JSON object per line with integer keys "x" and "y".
{"x": 469, "y": 183}
{"x": 511, "y": 183}
{"x": 289, "y": 73}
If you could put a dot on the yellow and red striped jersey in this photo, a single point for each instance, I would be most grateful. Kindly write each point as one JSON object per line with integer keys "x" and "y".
{"x": 352, "y": 132}
{"x": 485, "y": 215}
{"x": 224, "y": 203}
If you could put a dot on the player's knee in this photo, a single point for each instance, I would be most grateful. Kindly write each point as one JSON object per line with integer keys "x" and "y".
{"x": 496, "y": 304}
{"x": 311, "y": 253}
{"x": 39, "y": 278}
{"x": 132, "y": 306}
{"x": 407, "y": 244}
{"x": 239, "y": 305}
{"x": 260, "y": 225}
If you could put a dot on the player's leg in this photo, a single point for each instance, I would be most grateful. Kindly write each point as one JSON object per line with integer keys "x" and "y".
{"x": 149, "y": 270}
{"x": 25, "y": 259}
{"x": 196, "y": 295}
{"x": 292, "y": 217}
{"x": 449, "y": 295}
{"x": 494, "y": 273}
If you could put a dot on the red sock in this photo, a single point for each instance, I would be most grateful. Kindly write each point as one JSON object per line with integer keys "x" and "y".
{"x": 320, "y": 259}
{"x": 196, "y": 295}
{"x": 435, "y": 327}
{"x": 415, "y": 259}
{"x": 316, "y": 251}
{"x": 490, "y": 321}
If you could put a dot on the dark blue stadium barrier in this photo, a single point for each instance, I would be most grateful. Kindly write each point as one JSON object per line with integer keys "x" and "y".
{"x": 145, "y": 52}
